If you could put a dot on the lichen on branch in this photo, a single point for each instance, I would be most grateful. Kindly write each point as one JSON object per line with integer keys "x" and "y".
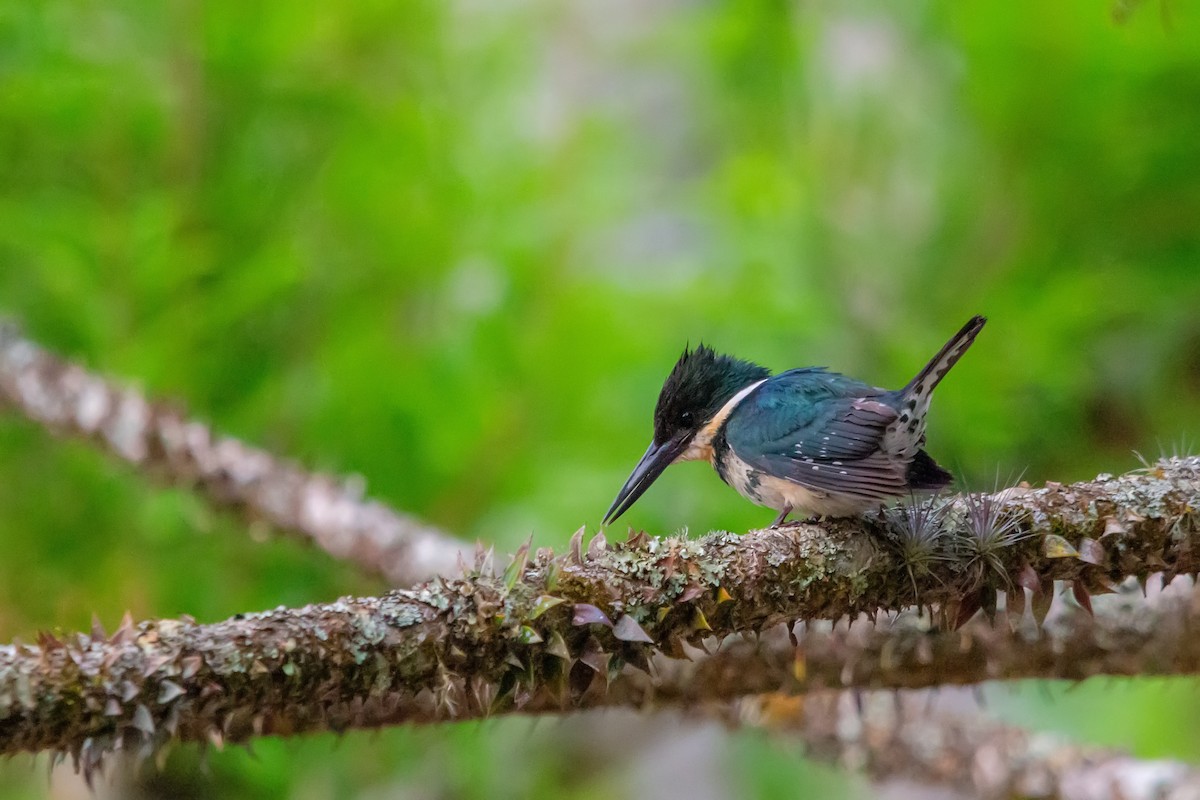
{"x": 554, "y": 631}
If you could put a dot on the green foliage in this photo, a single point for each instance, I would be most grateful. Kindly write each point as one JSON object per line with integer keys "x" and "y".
{"x": 455, "y": 248}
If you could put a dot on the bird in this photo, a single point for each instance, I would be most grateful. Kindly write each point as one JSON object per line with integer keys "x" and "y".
{"x": 805, "y": 440}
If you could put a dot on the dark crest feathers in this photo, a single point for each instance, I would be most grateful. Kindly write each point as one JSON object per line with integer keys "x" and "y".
{"x": 701, "y": 381}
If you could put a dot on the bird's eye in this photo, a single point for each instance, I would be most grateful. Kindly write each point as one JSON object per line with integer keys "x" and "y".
{"x": 686, "y": 417}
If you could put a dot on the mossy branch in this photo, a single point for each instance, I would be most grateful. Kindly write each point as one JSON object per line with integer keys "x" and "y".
{"x": 157, "y": 438}
{"x": 552, "y": 631}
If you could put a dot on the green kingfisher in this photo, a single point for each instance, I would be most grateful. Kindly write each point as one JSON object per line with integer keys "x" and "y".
{"x": 805, "y": 440}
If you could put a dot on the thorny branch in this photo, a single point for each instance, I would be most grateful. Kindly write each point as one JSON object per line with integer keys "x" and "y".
{"x": 1125, "y": 635}
{"x": 891, "y": 736}
{"x": 552, "y": 632}
{"x": 158, "y": 438}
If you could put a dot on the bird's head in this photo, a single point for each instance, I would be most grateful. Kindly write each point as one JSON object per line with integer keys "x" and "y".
{"x": 699, "y": 386}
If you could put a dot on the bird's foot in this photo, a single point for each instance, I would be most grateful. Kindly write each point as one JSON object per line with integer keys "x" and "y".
{"x": 811, "y": 519}
{"x": 782, "y": 516}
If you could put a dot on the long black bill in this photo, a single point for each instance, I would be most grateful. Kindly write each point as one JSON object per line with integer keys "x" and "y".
{"x": 657, "y": 458}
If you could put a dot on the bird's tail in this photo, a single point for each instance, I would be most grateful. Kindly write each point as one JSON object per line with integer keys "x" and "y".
{"x": 946, "y": 358}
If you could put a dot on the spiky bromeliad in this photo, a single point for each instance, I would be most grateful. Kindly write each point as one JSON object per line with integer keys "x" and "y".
{"x": 804, "y": 440}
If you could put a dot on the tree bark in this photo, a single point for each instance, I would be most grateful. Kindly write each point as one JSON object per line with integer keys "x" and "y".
{"x": 890, "y": 736}
{"x": 553, "y": 632}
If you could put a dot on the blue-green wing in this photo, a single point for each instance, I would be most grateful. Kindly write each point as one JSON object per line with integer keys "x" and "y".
{"x": 820, "y": 430}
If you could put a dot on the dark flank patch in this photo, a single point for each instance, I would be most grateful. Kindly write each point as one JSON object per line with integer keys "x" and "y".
{"x": 721, "y": 454}
{"x": 753, "y": 481}
{"x": 720, "y": 446}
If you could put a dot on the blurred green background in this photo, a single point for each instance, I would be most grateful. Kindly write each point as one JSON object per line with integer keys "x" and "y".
{"x": 454, "y": 247}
